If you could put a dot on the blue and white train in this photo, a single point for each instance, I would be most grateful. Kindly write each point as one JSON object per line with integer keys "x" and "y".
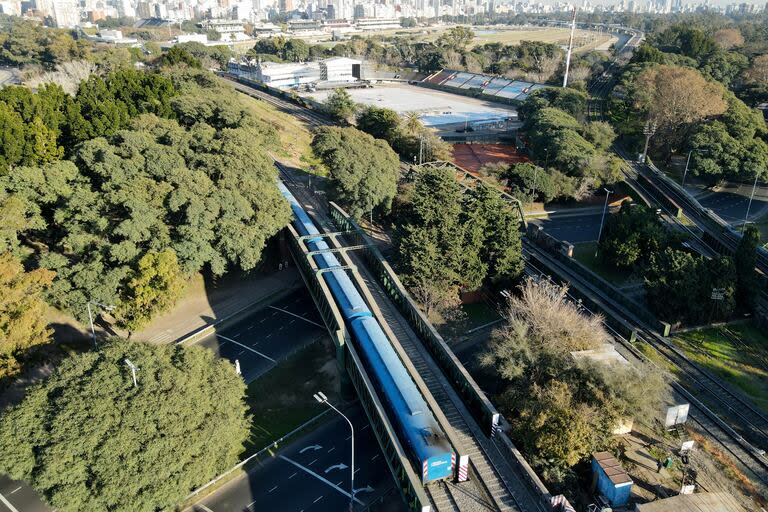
{"x": 424, "y": 438}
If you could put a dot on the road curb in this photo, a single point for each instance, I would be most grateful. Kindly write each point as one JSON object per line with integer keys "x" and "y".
{"x": 192, "y": 337}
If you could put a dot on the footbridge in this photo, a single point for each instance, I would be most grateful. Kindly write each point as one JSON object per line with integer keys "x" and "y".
{"x": 492, "y": 475}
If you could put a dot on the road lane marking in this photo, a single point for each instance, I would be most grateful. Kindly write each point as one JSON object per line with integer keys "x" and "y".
{"x": 13, "y": 491}
{"x": 293, "y": 475}
{"x": 246, "y": 347}
{"x": 325, "y": 481}
{"x": 272, "y": 489}
{"x": 375, "y": 457}
{"x": 14, "y": 509}
{"x": 313, "y": 461}
{"x": 365, "y": 427}
{"x": 298, "y": 316}
{"x": 206, "y": 509}
{"x": 318, "y": 499}
{"x": 332, "y": 448}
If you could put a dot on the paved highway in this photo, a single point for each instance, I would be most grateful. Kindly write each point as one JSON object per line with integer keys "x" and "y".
{"x": 732, "y": 207}
{"x": 19, "y": 497}
{"x": 263, "y": 338}
{"x": 575, "y": 229}
{"x": 312, "y": 474}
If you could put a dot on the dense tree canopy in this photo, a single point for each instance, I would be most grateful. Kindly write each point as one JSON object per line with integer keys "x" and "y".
{"x": 87, "y": 439}
{"x": 631, "y": 235}
{"x": 680, "y": 286}
{"x": 22, "y": 313}
{"x": 340, "y": 105}
{"x": 203, "y": 189}
{"x": 562, "y": 409}
{"x": 408, "y": 136}
{"x": 450, "y": 241}
{"x": 364, "y": 171}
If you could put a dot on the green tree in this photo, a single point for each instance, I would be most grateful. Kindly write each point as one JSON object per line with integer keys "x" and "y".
{"x": 382, "y": 123}
{"x": 152, "y": 288}
{"x": 177, "y": 56}
{"x": 529, "y": 182}
{"x": 295, "y": 50}
{"x": 456, "y": 38}
{"x": 340, "y": 105}
{"x": 599, "y": 133}
{"x": 22, "y": 313}
{"x": 364, "y": 170}
{"x": 88, "y": 439}
{"x": 745, "y": 261}
{"x": 679, "y": 287}
{"x": 492, "y": 230}
{"x": 631, "y": 235}
{"x": 552, "y": 398}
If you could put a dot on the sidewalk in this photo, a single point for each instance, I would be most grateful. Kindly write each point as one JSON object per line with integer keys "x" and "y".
{"x": 205, "y": 303}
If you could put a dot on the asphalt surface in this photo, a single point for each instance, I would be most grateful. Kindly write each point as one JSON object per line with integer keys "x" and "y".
{"x": 19, "y": 497}
{"x": 732, "y": 207}
{"x": 262, "y": 339}
{"x": 574, "y": 229}
{"x": 313, "y": 474}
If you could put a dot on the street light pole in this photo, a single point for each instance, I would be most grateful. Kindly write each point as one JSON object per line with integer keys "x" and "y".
{"x": 749, "y": 205}
{"x": 649, "y": 130}
{"x": 320, "y": 397}
{"x": 602, "y": 220}
{"x": 90, "y": 317}
{"x": 688, "y": 161}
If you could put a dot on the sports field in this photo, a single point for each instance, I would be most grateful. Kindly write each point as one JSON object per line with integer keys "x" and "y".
{"x": 473, "y": 156}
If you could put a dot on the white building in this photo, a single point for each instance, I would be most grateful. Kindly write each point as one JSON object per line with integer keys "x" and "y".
{"x": 291, "y": 75}
{"x": 340, "y": 69}
{"x": 191, "y": 38}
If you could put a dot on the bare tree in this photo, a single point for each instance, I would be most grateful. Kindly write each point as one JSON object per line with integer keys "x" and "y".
{"x": 727, "y": 38}
{"x": 68, "y": 75}
{"x": 758, "y": 71}
{"x": 579, "y": 73}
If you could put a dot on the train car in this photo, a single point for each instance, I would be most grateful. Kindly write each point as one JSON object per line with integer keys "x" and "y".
{"x": 424, "y": 439}
{"x": 424, "y": 436}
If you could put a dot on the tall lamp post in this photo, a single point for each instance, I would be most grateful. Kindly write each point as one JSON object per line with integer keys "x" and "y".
{"x": 321, "y": 398}
{"x": 688, "y": 161}
{"x": 749, "y": 204}
{"x": 602, "y": 219}
{"x": 90, "y": 317}
{"x": 648, "y": 131}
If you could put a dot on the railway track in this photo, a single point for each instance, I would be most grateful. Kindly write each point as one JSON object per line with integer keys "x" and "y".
{"x": 443, "y": 495}
{"x": 751, "y": 458}
{"x": 496, "y": 476}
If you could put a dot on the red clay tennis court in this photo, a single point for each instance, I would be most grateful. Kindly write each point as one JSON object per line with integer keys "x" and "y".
{"x": 472, "y": 156}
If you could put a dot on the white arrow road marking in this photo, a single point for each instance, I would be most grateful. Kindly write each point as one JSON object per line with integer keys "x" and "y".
{"x": 367, "y": 488}
{"x": 337, "y": 466}
{"x": 325, "y": 481}
{"x": 313, "y": 447}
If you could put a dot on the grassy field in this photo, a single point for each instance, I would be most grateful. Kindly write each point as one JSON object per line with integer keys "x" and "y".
{"x": 282, "y": 399}
{"x": 295, "y": 135}
{"x": 546, "y": 35}
{"x": 740, "y": 358}
{"x": 584, "y": 253}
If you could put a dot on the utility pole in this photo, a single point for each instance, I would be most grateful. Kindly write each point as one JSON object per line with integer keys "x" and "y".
{"x": 570, "y": 49}
{"x": 749, "y": 205}
{"x": 90, "y": 317}
{"x": 648, "y": 131}
{"x": 688, "y": 161}
{"x": 134, "y": 369}
{"x": 602, "y": 220}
